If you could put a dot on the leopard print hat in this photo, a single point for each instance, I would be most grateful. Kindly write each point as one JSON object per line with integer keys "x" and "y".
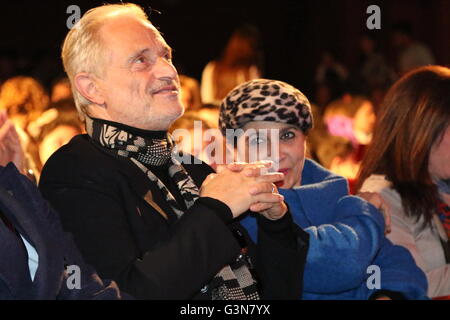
{"x": 265, "y": 100}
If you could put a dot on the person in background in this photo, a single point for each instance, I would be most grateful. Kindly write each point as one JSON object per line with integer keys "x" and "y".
{"x": 190, "y": 93}
{"x": 323, "y": 147}
{"x": 58, "y": 127}
{"x": 38, "y": 260}
{"x": 51, "y": 130}
{"x": 241, "y": 61}
{"x": 346, "y": 232}
{"x": 330, "y": 70}
{"x": 210, "y": 114}
{"x": 412, "y": 53}
{"x": 373, "y": 70}
{"x": 61, "y": 90}
{"x": 408, "y": 164}
{"x": 351, "y": 118}
{"x": 24, "y": 99}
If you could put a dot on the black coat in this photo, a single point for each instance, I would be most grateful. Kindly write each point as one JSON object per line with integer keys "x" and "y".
{"x": 24, "y": 208}
{"x": 100, "y": 198}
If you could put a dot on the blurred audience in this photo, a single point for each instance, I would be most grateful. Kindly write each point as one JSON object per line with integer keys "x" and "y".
{"x": 190, "y": 93}
{"x": 351, "y": 118}
{"x": 54, "y": 128}
{"x": 210, "y": 114}
{"x": 412, "y": 53}
{"x": 24, "y": 99}
{"x": 330, "y": 69}
{"x": 240, "y": 61}
{"x": 196, "y": 132}
{"x": 372, "y": 68}
{"x": 61, "y": 90}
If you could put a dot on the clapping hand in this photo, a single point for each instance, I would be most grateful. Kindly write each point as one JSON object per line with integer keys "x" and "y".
{"x": 10, "y": 148}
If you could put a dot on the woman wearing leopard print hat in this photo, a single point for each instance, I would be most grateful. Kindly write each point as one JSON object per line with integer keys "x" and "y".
{"x": 346, "y": 232}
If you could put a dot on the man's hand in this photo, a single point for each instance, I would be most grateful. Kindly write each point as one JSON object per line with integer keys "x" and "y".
{"x": 242, "y": 189}
{"x": 10, "y": 149}
{"x": 375, "y": 199}
{"x": 270, "y": 210}
{"x": 273, "y": 208}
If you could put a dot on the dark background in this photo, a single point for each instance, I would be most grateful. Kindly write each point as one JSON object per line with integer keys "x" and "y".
{"x": 294, "y": 32}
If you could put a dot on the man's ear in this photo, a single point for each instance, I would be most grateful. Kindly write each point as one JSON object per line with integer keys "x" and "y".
{"x": 87, "y": 85}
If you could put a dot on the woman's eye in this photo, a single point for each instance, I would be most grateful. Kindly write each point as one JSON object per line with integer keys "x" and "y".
{"x": 257, "y": 140}
{"x": 287, "y": 135}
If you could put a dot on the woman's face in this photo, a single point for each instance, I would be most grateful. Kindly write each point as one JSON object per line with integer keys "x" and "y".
{"x": 290, "y": 157}
{"x": 439, "y": 161}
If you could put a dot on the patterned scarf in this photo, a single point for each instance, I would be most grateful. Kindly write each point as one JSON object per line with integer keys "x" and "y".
{"x": 233, "y": 282}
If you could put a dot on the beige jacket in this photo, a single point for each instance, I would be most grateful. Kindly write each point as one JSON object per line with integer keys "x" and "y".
{"x": 423, "y": 243}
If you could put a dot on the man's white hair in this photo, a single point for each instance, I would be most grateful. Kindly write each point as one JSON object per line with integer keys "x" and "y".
{"x": 83, "y": 47}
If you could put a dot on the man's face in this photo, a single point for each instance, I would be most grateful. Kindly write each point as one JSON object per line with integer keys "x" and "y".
{"x": 140, "y": 85}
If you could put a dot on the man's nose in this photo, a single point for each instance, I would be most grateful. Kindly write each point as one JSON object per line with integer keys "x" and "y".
{"x": 165, "y": 69}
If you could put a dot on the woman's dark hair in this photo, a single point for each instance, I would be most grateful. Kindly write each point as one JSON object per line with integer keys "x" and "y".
{"x": 414, "y": 115}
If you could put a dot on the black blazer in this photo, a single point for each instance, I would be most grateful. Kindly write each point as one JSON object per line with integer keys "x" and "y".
{"x": 22, "y": 205}
{"x": 100, "y": 198}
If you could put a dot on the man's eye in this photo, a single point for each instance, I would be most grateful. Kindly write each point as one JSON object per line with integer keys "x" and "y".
{"x": 140, "y": 60}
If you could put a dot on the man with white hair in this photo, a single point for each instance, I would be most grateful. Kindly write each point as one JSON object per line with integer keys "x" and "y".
{"x": 161, "y": 229}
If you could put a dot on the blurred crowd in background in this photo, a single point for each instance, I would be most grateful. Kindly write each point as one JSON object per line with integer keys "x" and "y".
{"x": 345, "y": 100}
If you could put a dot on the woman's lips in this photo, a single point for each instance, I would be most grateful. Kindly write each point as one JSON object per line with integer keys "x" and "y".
{"x": 280, "y": 183}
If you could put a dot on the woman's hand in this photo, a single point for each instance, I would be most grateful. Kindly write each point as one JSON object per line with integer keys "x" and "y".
{"x": 377, "y": 201}
{"x": 267, "y": 206}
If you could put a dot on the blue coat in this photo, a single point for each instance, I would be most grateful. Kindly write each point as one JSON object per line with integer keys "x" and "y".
{"x": 346, "y": 237}
{"x": 34, "y": 220}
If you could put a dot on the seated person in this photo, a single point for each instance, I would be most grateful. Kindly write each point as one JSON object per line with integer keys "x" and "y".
{"x": 38, "y": 260}
{"x": 408, "y": 164}
{"x": 270, "y": 120}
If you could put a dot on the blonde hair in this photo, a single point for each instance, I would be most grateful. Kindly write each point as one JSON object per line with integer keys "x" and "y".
{"x": 24, "y": 96}
{"x": 83, "y": 48}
